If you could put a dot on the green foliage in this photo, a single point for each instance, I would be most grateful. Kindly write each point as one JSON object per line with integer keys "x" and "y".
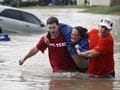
{"x": 114, "y": 10}
{"x": 104, "y": 9}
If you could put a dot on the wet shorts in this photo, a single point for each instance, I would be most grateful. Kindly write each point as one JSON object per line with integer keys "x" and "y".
{"x": 82, "y": 70}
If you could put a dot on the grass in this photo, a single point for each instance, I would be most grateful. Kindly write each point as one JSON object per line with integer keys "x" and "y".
{"x": 113, "y": 10}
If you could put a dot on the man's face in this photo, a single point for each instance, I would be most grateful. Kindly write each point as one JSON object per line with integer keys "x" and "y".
{"x": 53, "y": 29}
{"x": 103, "y": 31}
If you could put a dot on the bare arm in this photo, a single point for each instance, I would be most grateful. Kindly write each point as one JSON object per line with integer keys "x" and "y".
{"x": 32, "y": 52}
{"x": 89, "y": 53}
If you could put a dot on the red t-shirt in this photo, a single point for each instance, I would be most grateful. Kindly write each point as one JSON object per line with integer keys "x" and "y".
{"x": 59, "y": 58}
{"x": 102, "y": 64}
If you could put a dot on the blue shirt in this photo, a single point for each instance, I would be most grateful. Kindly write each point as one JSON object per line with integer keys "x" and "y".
{"x": 66, "y": 32}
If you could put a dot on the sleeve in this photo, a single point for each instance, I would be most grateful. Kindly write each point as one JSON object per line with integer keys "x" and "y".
{"x": 71, "y": 49}
{"x": 41, "y": 45}
{"x": 83, "y": 44}
{"x": 104, "y": 46}
{"x": 65, "y": 30}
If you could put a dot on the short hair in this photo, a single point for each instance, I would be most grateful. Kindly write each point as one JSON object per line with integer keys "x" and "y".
{"x": 52, "y": 20}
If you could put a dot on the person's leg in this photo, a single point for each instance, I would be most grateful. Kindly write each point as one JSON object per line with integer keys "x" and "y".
{"x": 81, "y": 63}
{"x": 111, "y": 75}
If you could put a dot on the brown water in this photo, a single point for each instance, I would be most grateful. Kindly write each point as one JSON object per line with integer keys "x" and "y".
{"x": 36, "y": 73}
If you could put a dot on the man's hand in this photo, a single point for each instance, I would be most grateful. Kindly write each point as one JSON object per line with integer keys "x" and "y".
{"x": 21, "y": 61}
{"x": 77, "y": 48}
{"x": 46, "y": 38}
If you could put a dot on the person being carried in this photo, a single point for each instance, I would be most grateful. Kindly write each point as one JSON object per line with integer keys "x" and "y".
{"x": 76, "y": 36}
{"x": 79, "y": 38}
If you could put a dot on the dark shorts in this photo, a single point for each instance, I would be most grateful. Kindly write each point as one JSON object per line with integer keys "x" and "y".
{"x": 111, "y": 75}
{"x": 82, "y": 70}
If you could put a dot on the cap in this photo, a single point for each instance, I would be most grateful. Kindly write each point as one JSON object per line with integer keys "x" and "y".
{"x": 106, "y": 22}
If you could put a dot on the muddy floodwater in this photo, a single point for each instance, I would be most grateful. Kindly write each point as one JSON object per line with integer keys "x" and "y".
{"x": 36, "y": 73}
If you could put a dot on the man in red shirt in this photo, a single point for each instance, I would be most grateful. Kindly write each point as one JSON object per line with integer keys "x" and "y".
{"x": 101, "y": 44}
{"x": 59, "y": 57}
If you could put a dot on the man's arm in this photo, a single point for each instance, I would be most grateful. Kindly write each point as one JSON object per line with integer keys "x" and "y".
{"x": 89, "y": 53}
{"x": 41, "y": 45}
{"x": 32, "y": 52}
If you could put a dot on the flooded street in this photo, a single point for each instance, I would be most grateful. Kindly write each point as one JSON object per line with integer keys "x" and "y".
{"x": 36, "y": 73}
